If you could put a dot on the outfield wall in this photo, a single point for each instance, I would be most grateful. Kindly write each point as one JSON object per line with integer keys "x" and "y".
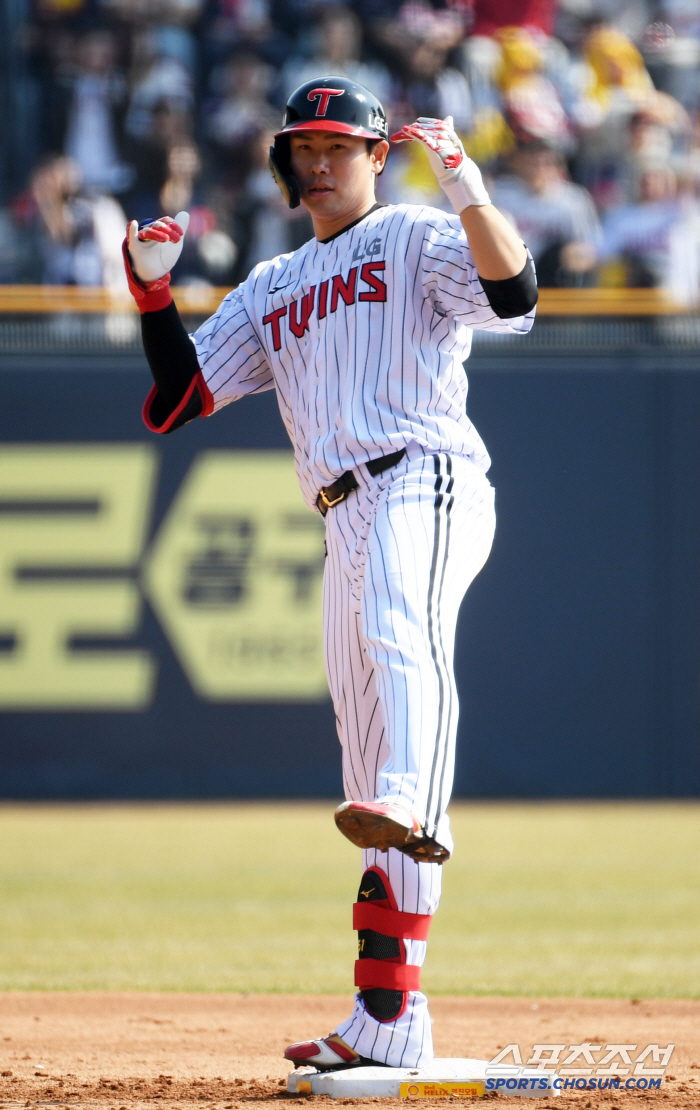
{"x": 159, "y": 600}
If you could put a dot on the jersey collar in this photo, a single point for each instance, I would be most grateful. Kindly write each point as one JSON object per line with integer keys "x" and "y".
{"x": 353, "y": 224}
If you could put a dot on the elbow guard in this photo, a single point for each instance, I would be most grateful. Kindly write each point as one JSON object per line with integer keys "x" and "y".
{"x": 197, "y": 401}
{"x": 513, "y": 296}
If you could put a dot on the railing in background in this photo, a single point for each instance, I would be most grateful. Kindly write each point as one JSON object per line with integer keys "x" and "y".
{"x": 74, "y": 320}
{"x": 202, "y": 301}
{"x": 41, "y": 299}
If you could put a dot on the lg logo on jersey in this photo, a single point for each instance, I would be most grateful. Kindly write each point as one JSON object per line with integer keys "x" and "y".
{"x": 369, "y": 251}
{"x": 302, "y": 310}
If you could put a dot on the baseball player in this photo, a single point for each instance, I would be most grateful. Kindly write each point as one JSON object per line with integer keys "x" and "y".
{"x": 363, "y": 332}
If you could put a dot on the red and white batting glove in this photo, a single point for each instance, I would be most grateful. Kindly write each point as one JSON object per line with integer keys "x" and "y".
{"x": 150, "y": 251}
{"x": 459, "y": 177}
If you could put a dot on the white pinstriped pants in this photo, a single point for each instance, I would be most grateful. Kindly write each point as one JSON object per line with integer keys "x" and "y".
{"x": 402, "y": 551}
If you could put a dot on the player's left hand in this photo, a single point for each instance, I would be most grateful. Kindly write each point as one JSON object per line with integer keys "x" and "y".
{"x": 459, "y": 177}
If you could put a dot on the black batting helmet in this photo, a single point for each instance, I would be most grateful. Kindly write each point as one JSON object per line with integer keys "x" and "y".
{"x": 330, "y": 104}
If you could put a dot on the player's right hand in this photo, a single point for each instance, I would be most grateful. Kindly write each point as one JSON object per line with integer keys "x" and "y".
{"x": 155, "y": 246}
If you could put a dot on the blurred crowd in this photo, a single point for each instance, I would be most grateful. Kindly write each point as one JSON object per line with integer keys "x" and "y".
{"x": 584, "y": 116}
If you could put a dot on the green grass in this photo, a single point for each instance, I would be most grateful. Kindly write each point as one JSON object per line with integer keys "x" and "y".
{"x": 553, "y": 899}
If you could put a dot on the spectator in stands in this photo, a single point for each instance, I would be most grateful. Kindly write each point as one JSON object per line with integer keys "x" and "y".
{"x": 87, "y": 107}
{"x": 671, "y": 48}
{"x": 184, "y": 168}
{"x": 338, "y": 50}
{"x": 78, "y": 236}
{"x": 394, "y": 28}
{"x": 163, "y": 74}
{"x": 17, "y": 266}
{"x": 239, "y": 107}
{"x": 526, "y": 81}
{"x": 617, "y": 86}
{"x": 170, "y": 127}
{"x": 176, "y": 13}
{"x": 297, "y": 18}
{"x": 618, "y": 82}
{"x": 265, "y": 226}
{"x": 522, "y": 83}
{"x": 432, "y": 87}
{"x": 245, "y": 26}
{"x": 691, "y": 163}
{"x": 531, "y": 102}
{"x": 416, "y": 40}
{"x": 209, "y": 253}
{"x": 655, "y": 241}
{"x": 160, "y": 113}
{"x": 490, "y": 16}
{"x": 660, "y": 134}
{"x": 556, "y": 218}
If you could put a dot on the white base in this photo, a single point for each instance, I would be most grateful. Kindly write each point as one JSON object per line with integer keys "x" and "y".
{"x": 378, "y": 1082}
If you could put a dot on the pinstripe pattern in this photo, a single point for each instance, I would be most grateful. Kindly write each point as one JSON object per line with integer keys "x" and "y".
{"x": 364, "y": 340}
{"x": 375, "y": 375}
{"x": 401, "y": 554}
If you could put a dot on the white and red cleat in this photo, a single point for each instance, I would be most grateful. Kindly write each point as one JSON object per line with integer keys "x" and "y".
{"x": 383, "y": 825}
{"x": 325, "y": 1054}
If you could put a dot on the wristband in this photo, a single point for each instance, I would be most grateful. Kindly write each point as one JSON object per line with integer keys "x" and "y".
{"x": 150, "y": 296}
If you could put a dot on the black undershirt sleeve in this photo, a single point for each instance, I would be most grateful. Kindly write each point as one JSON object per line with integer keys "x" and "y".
{"x": 513, "y": 296}
{"x": 173, "y": 362}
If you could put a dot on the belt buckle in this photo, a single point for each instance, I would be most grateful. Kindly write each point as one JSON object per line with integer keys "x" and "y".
{"x": 326, "y": 500}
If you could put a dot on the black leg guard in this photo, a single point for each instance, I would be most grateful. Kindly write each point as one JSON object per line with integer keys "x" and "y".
{"x": 381, "y": 1003}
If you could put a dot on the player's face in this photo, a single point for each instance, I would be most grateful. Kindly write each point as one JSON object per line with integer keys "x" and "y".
{"x": 335, "y": 172}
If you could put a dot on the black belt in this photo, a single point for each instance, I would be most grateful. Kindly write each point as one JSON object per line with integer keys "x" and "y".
{"x": 347, "y": 482}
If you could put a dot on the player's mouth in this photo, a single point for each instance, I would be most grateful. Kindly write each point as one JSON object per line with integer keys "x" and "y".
{"x": 319, "y": 190}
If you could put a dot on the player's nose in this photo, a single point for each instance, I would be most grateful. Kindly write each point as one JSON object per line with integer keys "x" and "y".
{"x": 320, "y": 164}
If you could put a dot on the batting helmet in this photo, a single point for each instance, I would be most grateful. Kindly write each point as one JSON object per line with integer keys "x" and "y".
{"x": 331, "y": 104}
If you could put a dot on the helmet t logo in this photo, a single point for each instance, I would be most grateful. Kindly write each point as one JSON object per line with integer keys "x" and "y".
{"x": 323, "y": 96}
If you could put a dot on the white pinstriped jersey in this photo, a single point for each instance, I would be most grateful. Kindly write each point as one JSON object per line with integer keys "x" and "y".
{"x": 363, "y": 338}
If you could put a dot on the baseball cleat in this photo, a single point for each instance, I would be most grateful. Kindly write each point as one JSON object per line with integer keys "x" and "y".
{"x": 325, "y": 1054}
{"x": 383, "y": 825}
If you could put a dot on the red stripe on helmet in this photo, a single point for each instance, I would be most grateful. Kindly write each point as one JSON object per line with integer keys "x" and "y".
{"x": 332, "y": 126}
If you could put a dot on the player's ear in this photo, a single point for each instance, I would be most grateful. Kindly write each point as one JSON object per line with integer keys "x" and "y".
{"x": 378, "y": 155}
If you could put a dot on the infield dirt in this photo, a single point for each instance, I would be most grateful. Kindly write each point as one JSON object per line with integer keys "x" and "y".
{"x": 133, "y": 1051}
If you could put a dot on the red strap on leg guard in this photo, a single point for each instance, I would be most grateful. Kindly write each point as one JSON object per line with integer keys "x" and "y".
{"x": 391, "y": 923}
{"x": 383, "y": 973}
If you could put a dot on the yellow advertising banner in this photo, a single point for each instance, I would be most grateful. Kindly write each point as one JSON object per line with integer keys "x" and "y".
{"x": 72, "y": 525}
{"x": 235, "y": 576}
